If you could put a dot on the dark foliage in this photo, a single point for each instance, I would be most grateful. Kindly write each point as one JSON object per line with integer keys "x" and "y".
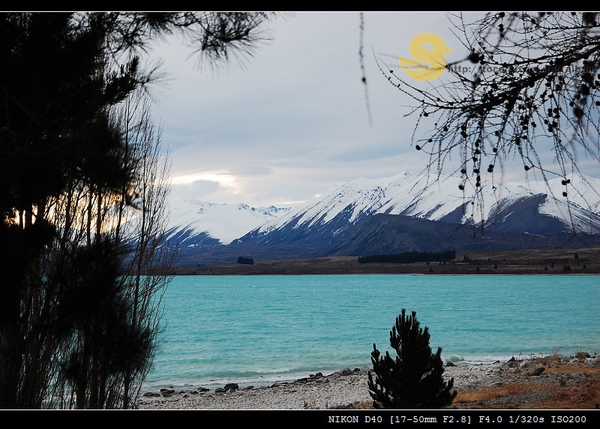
{"x": 410, "y": 257}
{"x": 94, "y": 309}
{"x": 68, "y": 170}
{"x": 414, "y": 379}
{"x": 244, "y": 260}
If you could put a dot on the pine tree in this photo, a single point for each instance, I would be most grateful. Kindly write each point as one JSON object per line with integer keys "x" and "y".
{"x": 414, "y": 379}
{"x": 74, "y": 174}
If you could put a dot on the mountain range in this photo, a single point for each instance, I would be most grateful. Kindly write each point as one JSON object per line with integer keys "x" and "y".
{"x": 393, "y": 215}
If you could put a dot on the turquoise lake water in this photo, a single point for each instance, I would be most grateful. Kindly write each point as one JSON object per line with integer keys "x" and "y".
{"x": 256, "y": 330}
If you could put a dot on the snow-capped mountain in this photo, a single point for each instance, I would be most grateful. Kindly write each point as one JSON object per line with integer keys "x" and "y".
{"x": 194, "y": 222}
{"x": 442, "y": 201}
{"x": 364, "y": 214}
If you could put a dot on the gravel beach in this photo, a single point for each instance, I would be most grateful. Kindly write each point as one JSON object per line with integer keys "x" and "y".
{"x": 343, "y": 389}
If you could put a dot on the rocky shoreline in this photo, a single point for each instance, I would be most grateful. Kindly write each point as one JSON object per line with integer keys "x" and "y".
{"x": 342, "y": 389}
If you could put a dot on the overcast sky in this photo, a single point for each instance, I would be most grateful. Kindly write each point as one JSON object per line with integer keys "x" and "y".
{"x": 291, "y": 123}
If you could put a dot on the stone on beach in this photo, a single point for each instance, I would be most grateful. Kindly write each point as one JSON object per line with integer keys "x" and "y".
{"x": 342, "y": 389}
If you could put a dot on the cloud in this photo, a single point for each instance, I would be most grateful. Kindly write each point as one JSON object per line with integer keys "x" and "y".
{"x": 198, "y": 189}
{"x": 294, "y": 122}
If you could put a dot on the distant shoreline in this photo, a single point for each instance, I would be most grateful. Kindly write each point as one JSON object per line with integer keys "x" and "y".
{"x": 513, "y": 262}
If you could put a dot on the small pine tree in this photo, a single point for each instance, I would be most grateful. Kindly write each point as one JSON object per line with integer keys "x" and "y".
{"x": 414, "y": 379}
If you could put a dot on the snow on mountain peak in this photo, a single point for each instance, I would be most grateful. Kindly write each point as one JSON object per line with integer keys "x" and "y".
{"x": 417, "y": 196}
{"x": 432, "y": 199}
{"x": 224, "y": 222}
